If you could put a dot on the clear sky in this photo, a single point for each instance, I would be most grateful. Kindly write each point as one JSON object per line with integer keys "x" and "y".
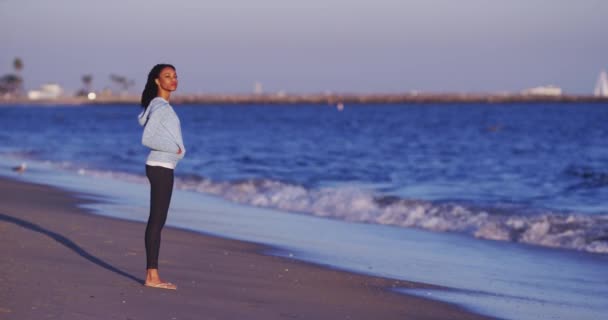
{"x": 224, "y": 46}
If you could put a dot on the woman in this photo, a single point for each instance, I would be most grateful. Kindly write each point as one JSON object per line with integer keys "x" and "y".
{"x": 162, "y": 134}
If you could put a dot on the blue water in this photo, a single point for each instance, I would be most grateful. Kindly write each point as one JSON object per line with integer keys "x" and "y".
{"x": 524, "y": 173}
{"x": 530, "y": 176}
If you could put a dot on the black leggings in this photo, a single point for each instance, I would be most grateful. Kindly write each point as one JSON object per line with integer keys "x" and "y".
{"x": 161, "y": 187}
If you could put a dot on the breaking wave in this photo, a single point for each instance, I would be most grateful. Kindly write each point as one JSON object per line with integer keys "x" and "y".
{"x": 566, "y": 230}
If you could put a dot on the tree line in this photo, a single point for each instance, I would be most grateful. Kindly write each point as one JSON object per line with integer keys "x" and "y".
{"x": 11, "y": 84}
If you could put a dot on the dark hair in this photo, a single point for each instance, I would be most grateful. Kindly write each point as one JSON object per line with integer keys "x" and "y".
{"x": 151, "y": 90}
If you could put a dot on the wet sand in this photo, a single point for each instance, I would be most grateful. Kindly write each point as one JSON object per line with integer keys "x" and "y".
{"x": 60, "y": 262}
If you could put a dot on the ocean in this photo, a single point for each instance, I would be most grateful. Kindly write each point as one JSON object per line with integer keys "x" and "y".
{"x": 505, "y": 204}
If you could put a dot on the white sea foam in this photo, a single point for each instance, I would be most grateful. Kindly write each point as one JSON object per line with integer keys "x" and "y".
{"x": 551, "y": 229}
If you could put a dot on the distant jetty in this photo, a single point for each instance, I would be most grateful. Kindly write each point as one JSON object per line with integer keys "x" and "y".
{"x": 321, "y": 99}
{"x": 334, "y": 99}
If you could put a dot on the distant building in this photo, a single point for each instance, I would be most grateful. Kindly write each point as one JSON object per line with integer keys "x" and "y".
{"x": 601, "y": 87}
{"x": 549, "y": 90}
{"x": 47, "y": 91}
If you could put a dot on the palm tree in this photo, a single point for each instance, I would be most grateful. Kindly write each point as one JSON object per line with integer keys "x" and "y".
{"x": 122, "y": 82}
{"x": 87, "y": 80}
{"x": 18, "y": 65}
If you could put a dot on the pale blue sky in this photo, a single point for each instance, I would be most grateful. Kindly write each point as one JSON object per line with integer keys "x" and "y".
{"x": 312, "y": 45}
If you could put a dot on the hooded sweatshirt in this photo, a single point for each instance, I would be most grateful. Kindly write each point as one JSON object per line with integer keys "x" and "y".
{"x": 162, "y": 134}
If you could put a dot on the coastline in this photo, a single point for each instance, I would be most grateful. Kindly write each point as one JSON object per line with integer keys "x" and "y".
{"x": 317, "y": 99}
{"x": 97, "y": 267}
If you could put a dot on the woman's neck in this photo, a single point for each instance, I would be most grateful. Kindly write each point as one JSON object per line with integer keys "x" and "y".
{"x": 165, "y": 95}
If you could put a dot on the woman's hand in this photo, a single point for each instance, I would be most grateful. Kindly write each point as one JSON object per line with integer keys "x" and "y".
{"x": 179, "y": 150}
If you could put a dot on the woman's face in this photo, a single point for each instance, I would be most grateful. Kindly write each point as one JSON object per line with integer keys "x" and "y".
{"x": 167, "y": 79}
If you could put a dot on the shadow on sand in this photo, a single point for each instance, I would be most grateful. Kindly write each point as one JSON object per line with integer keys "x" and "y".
{"x": 68, "y": 244}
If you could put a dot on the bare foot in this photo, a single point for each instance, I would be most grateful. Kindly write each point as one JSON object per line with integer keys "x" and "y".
{"x": 153, "y": 280}
{"x": 161, "y": 285}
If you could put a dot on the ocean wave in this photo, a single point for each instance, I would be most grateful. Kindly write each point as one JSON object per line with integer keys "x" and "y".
{"x": 350, "y": 203}
{"x": 548, "y": 228}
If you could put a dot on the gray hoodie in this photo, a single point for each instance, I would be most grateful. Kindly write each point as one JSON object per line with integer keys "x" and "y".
{"x": 162, "y": 132}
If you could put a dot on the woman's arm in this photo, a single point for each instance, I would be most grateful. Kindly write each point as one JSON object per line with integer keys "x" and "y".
{"x": 161, "y": 143}
{"x": 157, "y": 137}
{"x": 170, "y": 122}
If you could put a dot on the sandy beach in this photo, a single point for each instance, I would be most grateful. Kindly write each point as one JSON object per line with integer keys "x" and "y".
{"x": 60, "y": 262}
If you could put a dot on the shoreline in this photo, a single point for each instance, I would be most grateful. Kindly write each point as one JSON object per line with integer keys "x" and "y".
{"x": 232, "y": 279}
{"x": 318, "y": 99}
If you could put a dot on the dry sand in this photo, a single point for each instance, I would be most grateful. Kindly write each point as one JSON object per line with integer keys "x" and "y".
{"x": 60, "y": 262}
